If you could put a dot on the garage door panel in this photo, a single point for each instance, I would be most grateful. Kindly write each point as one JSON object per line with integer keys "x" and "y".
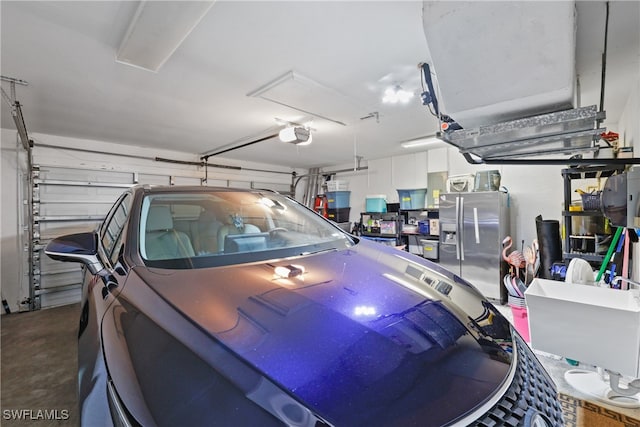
{"x": 52, "y": 279}
{"x": 61, "y": 297}
{"x": 216, "y": 182}
{"x": 184, "y": 180}
{"x": 54, "y": 210}
{"x": 57, "y": 193}
{"x": 85, "y": 175}
{"x": 152, "y": 179}
{"x": 239, "y": 184}
{"x": 56, "y": 267}
{"x": 71, "y": 199}
{"x": 149, "y": 179}
{"x": 50, "y": 230}
{"x": 279, "y": 187}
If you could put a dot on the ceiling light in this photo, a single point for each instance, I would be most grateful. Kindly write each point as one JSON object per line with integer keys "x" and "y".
{"x": 396, "y": 94}
{"x": 296, "y": 135}
{"x": 422, "y": 142}
{"x": 157, "y": 29}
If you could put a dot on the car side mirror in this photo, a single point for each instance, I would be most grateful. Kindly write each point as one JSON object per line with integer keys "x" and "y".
{"x": 79, "y": 247}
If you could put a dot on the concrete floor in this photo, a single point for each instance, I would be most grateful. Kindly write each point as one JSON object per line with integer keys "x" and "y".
{"x": 39, "y": 361}
{"x": 38, "y": 353}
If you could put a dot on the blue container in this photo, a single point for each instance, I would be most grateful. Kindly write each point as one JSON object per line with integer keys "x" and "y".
{"x": 423, "y": 227}
{"x": 412, "y": 199}
{"x": 338, "y": 199}
{"x": 377, "y": 203}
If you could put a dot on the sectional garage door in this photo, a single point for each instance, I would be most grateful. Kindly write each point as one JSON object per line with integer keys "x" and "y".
{"x": 72, "y": 198}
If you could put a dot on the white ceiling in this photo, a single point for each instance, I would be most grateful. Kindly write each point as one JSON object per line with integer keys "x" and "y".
{"x": 198, "y": 100}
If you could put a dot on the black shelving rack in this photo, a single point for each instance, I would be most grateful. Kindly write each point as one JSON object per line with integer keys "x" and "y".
{"x": 576, "y": 173}
{"x": 377, "y": 233}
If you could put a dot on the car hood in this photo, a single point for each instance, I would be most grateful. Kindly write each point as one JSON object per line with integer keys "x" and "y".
{"x": 365, "y": 336}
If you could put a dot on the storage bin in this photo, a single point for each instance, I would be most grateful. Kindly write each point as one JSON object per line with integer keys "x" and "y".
{"x": 460, "y": 183}
{"x": 594, "y": 325}
{"x": 336, "y": 185}
{"x": 345, "y": 226}
{"x": 376, "y": 203}
{"x": 338, "y": 199}
{"x": 387, "y": 227}
{"x": 430, "y": 248}
{"x": 521, "y": 321}
{"x": 412, "y": 199}
{"x": 415, "y": 247}
{"x": 393, "y": 207}
{"x": 487, "y": 181}
{"x": 591, "y": 201}
{"x": 423, "y": 227}
{"x": 410, "y": 228}
{"x": 338, "y": 215}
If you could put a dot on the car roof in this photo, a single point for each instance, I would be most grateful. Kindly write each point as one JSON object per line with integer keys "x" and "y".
{"x": 146, "y": 188}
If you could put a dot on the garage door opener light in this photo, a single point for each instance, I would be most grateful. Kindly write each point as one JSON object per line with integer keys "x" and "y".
{"x": 297, "y": 135}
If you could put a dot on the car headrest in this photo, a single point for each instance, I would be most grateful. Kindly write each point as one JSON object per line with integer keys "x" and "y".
{"x": 159, "y": 218}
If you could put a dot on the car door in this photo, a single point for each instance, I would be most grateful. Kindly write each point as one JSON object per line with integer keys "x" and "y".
{"x": 99, "y": 293}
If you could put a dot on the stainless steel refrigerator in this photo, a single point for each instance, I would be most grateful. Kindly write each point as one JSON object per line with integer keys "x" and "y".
{"x": 472, "y": 227}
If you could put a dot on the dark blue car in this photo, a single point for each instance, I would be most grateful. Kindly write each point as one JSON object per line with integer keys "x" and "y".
{"x": 214, "y": 306}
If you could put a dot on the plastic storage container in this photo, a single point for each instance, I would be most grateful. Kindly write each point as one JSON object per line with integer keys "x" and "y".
{"x": 336, "y": 185}
{"x": 430, "y": 248}
{"x": 412, "y": 199}
{"x": 387, "y": 227}
{"x": 591, "y": 201}
{"x": 521, "y": 321}
{"x": 423, "y": 227}
{"x": 597, "y": 326}
{"x": 338, "y": 215}
{"x": 338, "y": 199}
{"x": 376, "y": 203}
{"x": 460, "y": 183}
{"x": 487, "y": 181}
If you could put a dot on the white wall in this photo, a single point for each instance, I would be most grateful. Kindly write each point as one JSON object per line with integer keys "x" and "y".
{"x": 117, "y": 157}
{"x": 629, "y": 123}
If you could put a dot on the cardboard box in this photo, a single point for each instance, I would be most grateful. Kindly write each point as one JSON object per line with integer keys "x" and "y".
{"x": 598, "y": 326}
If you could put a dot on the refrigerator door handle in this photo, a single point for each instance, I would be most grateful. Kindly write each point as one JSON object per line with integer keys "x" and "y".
{"x": 461, "y": 228}
{"x": 475, "y": 223}
{"x": 457, "y": 228}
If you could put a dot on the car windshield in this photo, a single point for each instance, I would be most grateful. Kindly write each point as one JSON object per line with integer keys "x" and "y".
{"x": 204, "y": 229}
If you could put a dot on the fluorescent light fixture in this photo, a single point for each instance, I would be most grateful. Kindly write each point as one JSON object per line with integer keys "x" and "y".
{"x": 296, "y": 135}
{"x": 422, "y": 142}
{"x": 157, "y": 29}
{"x": 396, "y": 94}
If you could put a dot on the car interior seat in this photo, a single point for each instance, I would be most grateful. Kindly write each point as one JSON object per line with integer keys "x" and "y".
{"x": 162, "y": 241}
{"x": 205, "y": 233}
{"x": 235, "y": 225}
